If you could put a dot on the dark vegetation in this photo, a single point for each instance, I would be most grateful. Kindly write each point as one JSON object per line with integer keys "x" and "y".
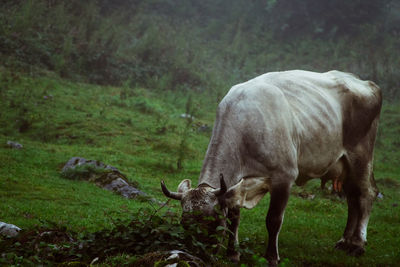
{"x": 108, "y": 80}
{"x": 206, "y": 45}
{"x": 147, "y": 232}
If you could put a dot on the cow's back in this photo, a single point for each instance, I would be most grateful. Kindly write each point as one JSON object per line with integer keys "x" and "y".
{"x": 332, "y": 112}
{"x": 316, "y": 113}
{"x": 329, "y": 112}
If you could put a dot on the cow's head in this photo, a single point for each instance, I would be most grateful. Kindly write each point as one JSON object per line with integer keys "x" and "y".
{"x": 202, "y": 206}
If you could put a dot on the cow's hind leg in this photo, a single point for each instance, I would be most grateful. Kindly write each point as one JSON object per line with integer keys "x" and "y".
{"x": 277, "y": 205}
{"x": 360, "y": 190}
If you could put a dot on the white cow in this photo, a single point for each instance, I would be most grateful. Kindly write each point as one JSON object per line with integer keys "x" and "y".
{"x": 282, "y": 128}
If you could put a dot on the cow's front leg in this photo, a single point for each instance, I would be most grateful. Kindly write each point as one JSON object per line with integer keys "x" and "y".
{"x": 277, "y": 205}
{"x": 233, "y": 226}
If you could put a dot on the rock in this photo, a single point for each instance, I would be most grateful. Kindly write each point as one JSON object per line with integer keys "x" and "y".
{"x": 77, "y": 161}
{"x": 204, "y": 128}
{"x": 175, "y": 256}
{"x": 9, "y": 230}
{"x": 15, "y": 145}
{"x": 123, "y": 188}
{"x": 55, "y": 237}
{"x": 169, "y": 258}
{"x": 186, "y": 116}
{"x": 112, "y": 179}
{"x": 306, "y": 195}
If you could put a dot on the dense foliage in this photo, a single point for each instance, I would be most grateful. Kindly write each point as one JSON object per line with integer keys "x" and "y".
{"x": 147, "y": 232}
{"x": 201, "y": 45}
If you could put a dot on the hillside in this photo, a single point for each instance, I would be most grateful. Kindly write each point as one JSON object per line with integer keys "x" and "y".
{"x": 118, "y": 81}
{"x": 138, "y": 131}
{"x": 141, "y": 133}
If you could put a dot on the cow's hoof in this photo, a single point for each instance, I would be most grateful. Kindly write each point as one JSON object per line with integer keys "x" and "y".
{"x": 355, "y": 251}
{"x": 349, "y": 247}
{"x": 234, "y": 257}
{"x": 342, "y": 245}
{"x": 273, "y": 263}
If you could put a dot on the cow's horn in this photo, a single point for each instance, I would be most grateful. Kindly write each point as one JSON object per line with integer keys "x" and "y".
{"x": 167, "y": 193}
{"x": 222, "y": 190}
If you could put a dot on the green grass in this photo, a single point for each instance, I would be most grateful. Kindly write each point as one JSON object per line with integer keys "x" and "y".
{"x": 33, "y": 191}
{"x": 139, "y": 132}
{"x": 91, "y": 122}
{"x": 311, "y": 228}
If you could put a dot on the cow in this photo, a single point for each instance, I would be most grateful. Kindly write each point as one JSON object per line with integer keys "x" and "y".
{"x": 284, "y": 128}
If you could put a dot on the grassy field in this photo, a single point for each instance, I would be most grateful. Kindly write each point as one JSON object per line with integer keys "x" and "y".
{"x": 141, "y": 133}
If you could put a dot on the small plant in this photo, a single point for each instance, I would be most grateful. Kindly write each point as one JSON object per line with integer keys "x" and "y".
{"x": 285, "y": 263}
{"x": 145, "y": 106}
{"x": 162, "y": 124}
{"x": 190, "y": 110}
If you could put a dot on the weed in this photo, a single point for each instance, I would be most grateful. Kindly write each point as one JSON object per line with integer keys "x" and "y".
{"x": 182, "y": 150}
{"x": 145, "y": 106}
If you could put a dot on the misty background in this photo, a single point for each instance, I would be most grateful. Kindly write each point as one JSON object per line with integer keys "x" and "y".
{"x": 201, "y": 45}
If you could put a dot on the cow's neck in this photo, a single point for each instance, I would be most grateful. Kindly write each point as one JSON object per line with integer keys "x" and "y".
{"x": 221, "y": 158}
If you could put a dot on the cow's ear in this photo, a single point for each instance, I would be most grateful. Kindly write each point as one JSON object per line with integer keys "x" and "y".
{"x": 234, "y": 196}
{"x": 184, "y": 186}
{"x": 247, "y": 193}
